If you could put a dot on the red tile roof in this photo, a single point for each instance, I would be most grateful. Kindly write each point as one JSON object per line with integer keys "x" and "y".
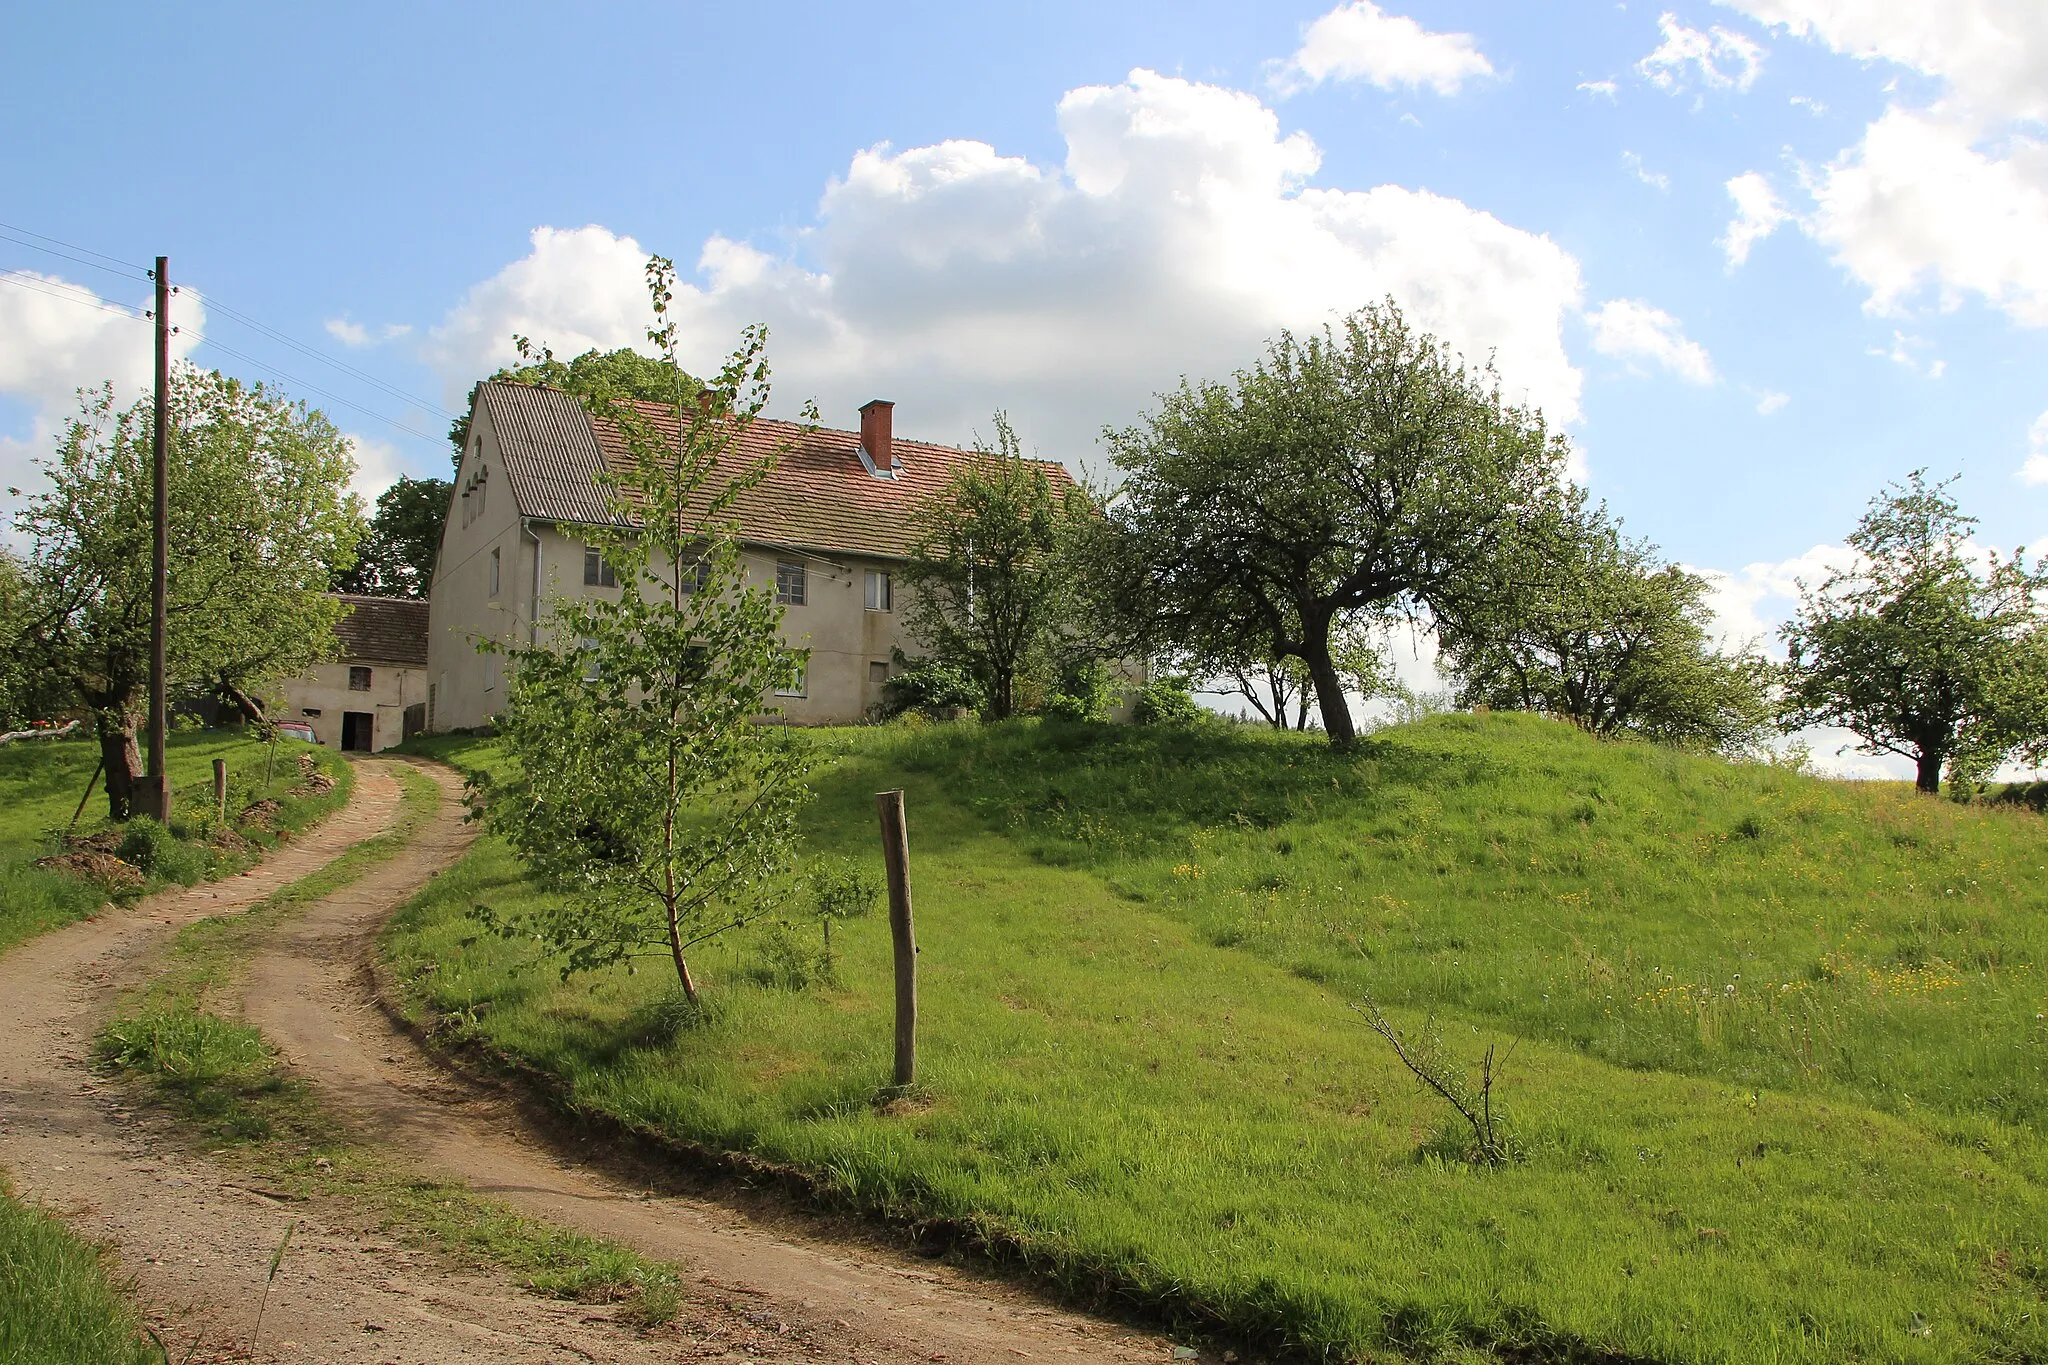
{"x": 819, "y": 496}
{"x": 385, "y": 630}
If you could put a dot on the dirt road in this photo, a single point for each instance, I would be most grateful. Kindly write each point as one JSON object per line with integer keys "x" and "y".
{"x": 198, "y": 1241}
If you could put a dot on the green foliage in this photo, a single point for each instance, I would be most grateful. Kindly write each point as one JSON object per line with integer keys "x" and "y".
{"x": 1360, "y": 470}
{"x": 162, "y": 854}
{"x": 995, "y": 577}
{"x": 59, "y": 1303}
{"x": 1574, "y": 620}
{"x": 1084, "y": 690}
{"x": 1167, "y": 701}
{"x": 1743, "y": 1064}
{"x": 643, "y": 793}
{"x": 397, "y": 556}
{"x": 932, "y": 687}
{"x": 1917, "y": 649}
{"x": 261, "y": 521}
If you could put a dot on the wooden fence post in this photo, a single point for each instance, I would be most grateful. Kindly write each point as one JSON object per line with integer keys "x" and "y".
{"x": 896, "y": 855}
{"x": 220, "y": 789}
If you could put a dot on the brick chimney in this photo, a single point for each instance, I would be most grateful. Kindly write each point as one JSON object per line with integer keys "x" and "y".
{"x": 878, "y": 434}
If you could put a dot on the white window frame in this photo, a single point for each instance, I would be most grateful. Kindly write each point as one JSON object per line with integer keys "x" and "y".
{"x": 803, "y": 679}
{"x": 880, "y": 590}
{"x": 497, "y": 572}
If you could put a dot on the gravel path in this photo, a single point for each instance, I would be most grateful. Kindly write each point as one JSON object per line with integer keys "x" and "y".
{"x": 197, "y": 1239}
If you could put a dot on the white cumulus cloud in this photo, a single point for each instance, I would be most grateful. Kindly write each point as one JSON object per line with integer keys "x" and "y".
{"x": 1630, "y": 329}
{"x": 1992, "y": 53}
{"x": 1949, "y": 198}
{"x": 1757, "y": 215}
{"x": 1718, "y": 58}
{"x": 1770, "y": 401}
{"x": 1915, "y": 205}
{"x": 356, "y": 336}
{"x": 1180, "y": 233}
{"x": 1361, "y": 42}
{"x": 56, "y": 338}
{"x": 2035, "y": 470}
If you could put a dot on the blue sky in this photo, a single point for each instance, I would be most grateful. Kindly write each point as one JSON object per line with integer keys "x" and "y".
{"x": 1059, "y": 209}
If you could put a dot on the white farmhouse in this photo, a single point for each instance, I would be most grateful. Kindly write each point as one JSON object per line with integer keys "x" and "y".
{"x": 375, "y": 694}
{"x": 829, "y": 529}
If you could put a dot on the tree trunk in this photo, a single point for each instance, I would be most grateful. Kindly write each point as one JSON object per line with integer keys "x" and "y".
{"x": 1928, "y": 779}
{"x": 251, "y": 709}
{"x": 675, "y": 948}
{"x": 1334, "y": 706}
{"x": 123, "y": 759}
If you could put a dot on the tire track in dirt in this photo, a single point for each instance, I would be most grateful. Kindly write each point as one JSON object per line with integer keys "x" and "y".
{"x": 310, "y": 992}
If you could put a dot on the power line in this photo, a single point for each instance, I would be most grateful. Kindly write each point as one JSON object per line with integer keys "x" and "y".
{"x": 122, "y": 271}
{"x": 347, "y": 369}
{"x": 138, "y": 271}
{"x": 116, "y": 266}
{"x": 372, "y": 413}
{"x": 35, "y": 285}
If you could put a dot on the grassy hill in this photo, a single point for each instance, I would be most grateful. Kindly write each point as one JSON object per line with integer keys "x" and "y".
{"x": 1779, "y": 1067}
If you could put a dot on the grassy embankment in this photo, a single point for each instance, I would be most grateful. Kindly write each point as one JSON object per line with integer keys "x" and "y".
{"x": 1780, "y": 1071}
{"x": 182, "y": 1036}
{"x": 57, "y": 1301}
{"x": 42, "y": 780}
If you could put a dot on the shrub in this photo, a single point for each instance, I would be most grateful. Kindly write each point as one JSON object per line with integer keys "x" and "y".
{"x": 2032, "y": 795}
{"x": 159, "y": 853}
{"x": 930, "y": 686}
{"x": 1167, "y": 701}
{"x": 1085, "y": 691}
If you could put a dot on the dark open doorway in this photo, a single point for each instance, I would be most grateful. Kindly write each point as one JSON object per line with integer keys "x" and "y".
{"x": 358, "y": 730}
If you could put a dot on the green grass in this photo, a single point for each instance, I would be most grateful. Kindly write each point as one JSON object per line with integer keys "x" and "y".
{"x": 1779, "y": 1073}
{"x": 226, "y": 1083}
{"x": 58, "y": 1304}
{"x": 41, "y": 782}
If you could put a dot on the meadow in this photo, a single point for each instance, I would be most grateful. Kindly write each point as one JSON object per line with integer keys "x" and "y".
{"x": 41, "y": 782}
{"x": 1777, "y": 1067}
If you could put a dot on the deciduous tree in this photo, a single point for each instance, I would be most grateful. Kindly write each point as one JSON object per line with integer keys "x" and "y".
{"x": 994, "y": 576}
{"x": 260, "y": 517}
{"x": 397, "y": 556}
{"x": 1361, "y": 469}
{"x": 1574, "y": 619}
{"x": 1924, "y": 648}
{"x": 644, "y": 795}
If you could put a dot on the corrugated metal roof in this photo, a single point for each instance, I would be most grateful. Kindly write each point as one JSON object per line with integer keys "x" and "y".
{"x": 389, "y": 630}
{"x": 551, "y": 458}
{"x": 818, "y": 497}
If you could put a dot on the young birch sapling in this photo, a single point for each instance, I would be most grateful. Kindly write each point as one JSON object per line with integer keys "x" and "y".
{"x": 645, "y": 796}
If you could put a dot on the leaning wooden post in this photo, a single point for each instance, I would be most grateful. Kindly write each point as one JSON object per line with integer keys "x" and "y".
{"x": 220, "y": 790}
{"x": 896, "y": 855}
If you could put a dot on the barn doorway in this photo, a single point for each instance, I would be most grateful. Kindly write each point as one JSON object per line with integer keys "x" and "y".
{"x": 358, "y": 730}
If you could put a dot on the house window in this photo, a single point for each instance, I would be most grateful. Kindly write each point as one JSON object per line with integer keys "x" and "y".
{"x": 592, "y": 669}
{"x": 795, "y": 687}
{"x": 880, "y": 593}
{"x": 597, "y": 571}
{"x": 789, "y": 585}
{"x": 878, "y": 672}
{"x": 358, "y": 679}
{"x": 696, "y": 573}
{"x": 312, "y": 711}
{"x": 495, "y": 564}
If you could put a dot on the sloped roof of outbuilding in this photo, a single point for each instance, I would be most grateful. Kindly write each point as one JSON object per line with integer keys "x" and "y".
{"x": 385, "y": 630}
{"x": 818, "y": 495}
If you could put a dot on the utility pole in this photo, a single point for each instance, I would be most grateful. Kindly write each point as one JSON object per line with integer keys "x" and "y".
{"x": 154, "y": 799}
